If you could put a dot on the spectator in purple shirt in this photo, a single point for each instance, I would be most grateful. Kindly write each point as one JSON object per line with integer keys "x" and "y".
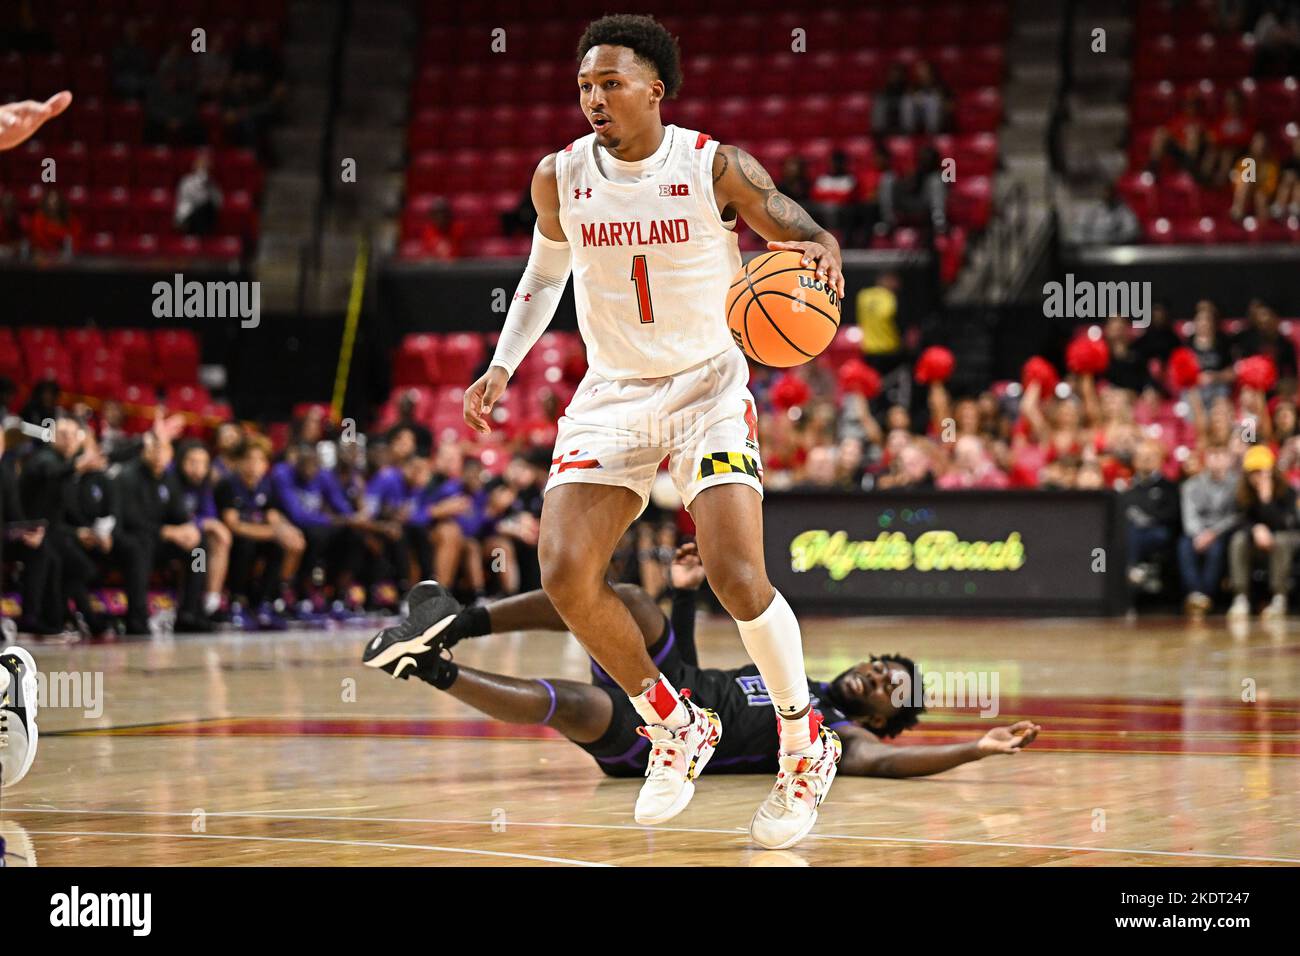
{"x": 394, "y": 498}
{"x": 316, "y": 506}
{"x": 247, "y": 504}
{"x": 192, "y": 478}
{"x": 451, "y": 509}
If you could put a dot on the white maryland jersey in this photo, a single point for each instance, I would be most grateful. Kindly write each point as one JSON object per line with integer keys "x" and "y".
{"x": 651, "y": 260}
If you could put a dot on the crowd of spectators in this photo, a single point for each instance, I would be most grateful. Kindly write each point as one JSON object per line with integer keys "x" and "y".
{"x": 245, "y": 84}
{"x": 1198, "y": 436}
{"x": 325, "y": 528}
{"x": 1193, "y": 424}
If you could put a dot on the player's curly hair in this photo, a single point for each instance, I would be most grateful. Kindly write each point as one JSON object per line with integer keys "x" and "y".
{"x": 644, "y": 36}
{"x": 910, "y": 713}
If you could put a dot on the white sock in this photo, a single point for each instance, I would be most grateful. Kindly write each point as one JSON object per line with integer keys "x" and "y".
{"x": 776, "y": 646}
{"x": 661, "y": 705}
{"x": 212, "y": 602}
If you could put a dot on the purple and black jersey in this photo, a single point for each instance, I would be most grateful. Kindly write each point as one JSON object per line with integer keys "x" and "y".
{"x": 308, "y": 503}
{"x": 389, "y": 496}
{"x": 198, "y": 498}
{"x": 253, "y": 504}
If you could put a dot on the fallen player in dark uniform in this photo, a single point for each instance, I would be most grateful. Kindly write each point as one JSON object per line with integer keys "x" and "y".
{"x": 859, "y": 704}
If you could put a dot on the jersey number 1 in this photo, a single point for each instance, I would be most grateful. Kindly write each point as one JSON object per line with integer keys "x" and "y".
{"x": 641, "y": 276}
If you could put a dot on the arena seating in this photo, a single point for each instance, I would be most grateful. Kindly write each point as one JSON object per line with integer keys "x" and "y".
{"x": 120, "y": 188}
{"x": 1178, "y": 56}
{"x": 139, "y": 367}
{"x": 743, "y": 85}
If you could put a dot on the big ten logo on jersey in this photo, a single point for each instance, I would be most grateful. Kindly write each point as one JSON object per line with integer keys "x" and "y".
{"x": 675, "y": 189}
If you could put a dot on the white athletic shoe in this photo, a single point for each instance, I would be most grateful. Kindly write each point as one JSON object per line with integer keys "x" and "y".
{"x": 1275, "y": 607}
{"x": 18, "y": 734}
{"x": 790, "y": 810}
{"x": 677, "y": 757}
{"x": 1240, "y": 606}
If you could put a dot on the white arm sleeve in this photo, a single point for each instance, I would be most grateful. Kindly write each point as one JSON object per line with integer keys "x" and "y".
{"x": 535, "y": 300}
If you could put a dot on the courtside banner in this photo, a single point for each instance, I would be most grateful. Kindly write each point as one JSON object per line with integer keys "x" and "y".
{"x": 950, "y": 552}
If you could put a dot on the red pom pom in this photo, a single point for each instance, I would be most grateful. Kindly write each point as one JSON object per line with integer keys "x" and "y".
{"x": 1184, "y": 367}
{"x": 1258, "y": 372}
{"x": 790, "y": 391}
{"x": 935, "y": 365}
{"x": 1039, "y": 370}
{"x": 1087, "y": 356}
{"x": 856, "y": 375}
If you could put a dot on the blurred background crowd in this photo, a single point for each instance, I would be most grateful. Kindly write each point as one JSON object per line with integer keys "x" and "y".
{"x": 1191, "y": 422}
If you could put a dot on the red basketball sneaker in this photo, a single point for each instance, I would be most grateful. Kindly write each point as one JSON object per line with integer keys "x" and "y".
{"x": 790, "y": 810}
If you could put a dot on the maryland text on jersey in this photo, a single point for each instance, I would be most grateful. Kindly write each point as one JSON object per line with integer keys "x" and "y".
{"x": 654, "y": 233}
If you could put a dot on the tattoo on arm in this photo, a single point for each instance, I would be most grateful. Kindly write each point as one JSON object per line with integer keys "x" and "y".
{"x": 719, "y": 171}
{"x": 784, "y": 212}
{"x": 754, "y": 172}
{"x": 790, "y": 215}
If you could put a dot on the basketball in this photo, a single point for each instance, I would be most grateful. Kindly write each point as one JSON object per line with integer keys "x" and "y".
{"x": 779, "y": 312}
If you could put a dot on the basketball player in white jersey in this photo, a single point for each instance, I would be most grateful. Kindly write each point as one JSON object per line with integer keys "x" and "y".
{"x": 643, "y": 215}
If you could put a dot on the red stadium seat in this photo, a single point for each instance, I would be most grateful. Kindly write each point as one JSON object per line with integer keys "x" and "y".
{"x": 417, "y": 361}
{"x": 110, "y": 166}
{"x": 1139, "y": 191}
{"x": 88, "y": 122}
{"x": 1279, "y": 100}
{"x": 228, "y": 248}
{"x": 987, "y": 22}
{"x": 155, "y": 167}
{"x": 463, "y": 353}
{"x": 181, "y": 246}
{"x": 979, "y": 110}
{"x": 187, "y": 398}
{"x": 140, "y": 246}
{"x": 126, "y": 122}
{"x": 1177, "y": 197}
{"x": 970, "y": 203}
{"x": 72, "y": 164}
{"x": 101, "y": 244}
{"x": 33, "y": 337}
{"x": 153, "y": 210}
{"x": 1159, "y": 231}
{"x": 101, "y": 380}
{"x": 83, "y": 340}
{"x": 109, "y": 210}
{"x": 237, "y": 216}
{"x": 136, "y": 349}
{"x": 1153, "y": 103}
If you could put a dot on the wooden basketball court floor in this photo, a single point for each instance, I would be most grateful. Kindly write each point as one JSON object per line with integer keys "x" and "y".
{"x": 282, "y": 749}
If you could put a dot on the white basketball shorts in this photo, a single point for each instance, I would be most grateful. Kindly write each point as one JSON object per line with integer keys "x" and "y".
{"x": 617, "y": 432}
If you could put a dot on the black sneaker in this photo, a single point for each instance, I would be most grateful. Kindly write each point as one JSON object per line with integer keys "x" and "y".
{"x": 398, "y": 648}
{"x": 18, "y": 734}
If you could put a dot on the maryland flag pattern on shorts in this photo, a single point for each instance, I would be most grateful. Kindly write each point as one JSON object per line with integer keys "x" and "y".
{"x": 725, "y": 462}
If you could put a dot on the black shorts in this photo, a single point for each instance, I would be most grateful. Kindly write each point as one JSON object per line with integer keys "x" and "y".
{"x": 621, "y": 751}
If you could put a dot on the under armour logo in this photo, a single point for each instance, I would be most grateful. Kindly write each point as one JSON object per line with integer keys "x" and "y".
{"x": 526, "y": 296}
{"x": 578, "y": 193}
